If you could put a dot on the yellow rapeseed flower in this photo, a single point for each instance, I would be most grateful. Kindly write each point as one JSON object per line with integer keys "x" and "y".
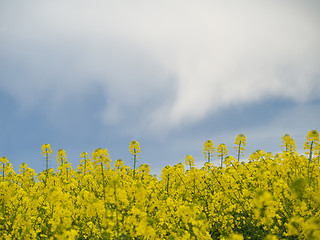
{"x": 134, "y": 147}
{"x": 46, "y": 150}
{"x": 240, "y": 143}
{"x": 189, "y": 161}
{"x": 222, "y": 152}
{"x": 208, "y": 149}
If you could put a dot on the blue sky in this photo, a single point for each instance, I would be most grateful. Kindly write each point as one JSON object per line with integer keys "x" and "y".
{"x": 170, "y": 74}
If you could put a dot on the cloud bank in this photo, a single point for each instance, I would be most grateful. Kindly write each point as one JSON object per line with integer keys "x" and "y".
{"x": 163, "y": 63}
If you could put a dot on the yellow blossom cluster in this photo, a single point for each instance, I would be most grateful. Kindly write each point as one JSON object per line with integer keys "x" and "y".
{"x": 267, "y": 197}
{"x": 208, "y": 149}
{"x": 189, "y": 161}
{"x": 222, "y": 152}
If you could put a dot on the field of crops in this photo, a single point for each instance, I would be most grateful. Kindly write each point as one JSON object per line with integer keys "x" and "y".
{"x": 271, "y": 196}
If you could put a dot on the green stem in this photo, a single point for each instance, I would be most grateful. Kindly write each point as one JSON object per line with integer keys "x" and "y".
{"x": 310, "y": 158}
{"x": 116, "y": 200}
{"x": 104, "y": 188}
{"x": 47, "y": 166}
{"x": 239, "y": 151}
{"x": 167, "y": 187}
{"x": 310, "y": 155}
{"x": 47, "y": 161}
{"x": 134, "y": 162}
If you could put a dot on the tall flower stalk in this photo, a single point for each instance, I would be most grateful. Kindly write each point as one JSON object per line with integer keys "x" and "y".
{"x": 222, "y": 152}
{"x": 240, "y": 143}
{"x": 46, "y": 152}
{"x": 134, "y": 150}
{"x": 101, "y": 159}
{"x": 208, "y": 150}
{"x": 311, "y": 144}
{"x": 189, "y": 161}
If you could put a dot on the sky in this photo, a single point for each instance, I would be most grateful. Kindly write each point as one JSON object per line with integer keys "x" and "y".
{"x": 170, "y": 74}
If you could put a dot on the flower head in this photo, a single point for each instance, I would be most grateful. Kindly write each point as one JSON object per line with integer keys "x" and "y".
{"x": 208, "y": 149}
{"x": 134, "y": 147}
{"x": 46, "y": 150}
{"x": 189, "y": 160}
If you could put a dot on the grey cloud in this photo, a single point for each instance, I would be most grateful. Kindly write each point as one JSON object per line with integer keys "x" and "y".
{"x": 186, "y": 59}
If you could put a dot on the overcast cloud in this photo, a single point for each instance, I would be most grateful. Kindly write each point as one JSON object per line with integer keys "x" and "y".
{"x": 154, "y": 66}
{"x": 190, "y": 58}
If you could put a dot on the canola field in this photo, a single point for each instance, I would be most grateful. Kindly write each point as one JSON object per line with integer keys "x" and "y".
{"x": 270, "y": 196}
